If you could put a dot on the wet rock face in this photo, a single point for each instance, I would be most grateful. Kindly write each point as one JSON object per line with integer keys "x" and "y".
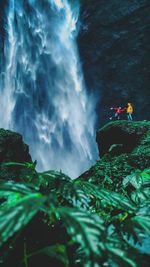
{"x": 114, "y": 49}
{"x": 13, "y": 149}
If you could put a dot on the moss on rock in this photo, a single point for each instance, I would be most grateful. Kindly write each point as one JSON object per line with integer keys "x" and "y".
{"x": 124, "y": 147}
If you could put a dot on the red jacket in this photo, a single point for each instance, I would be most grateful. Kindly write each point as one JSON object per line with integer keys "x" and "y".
{"x": 119, "y": 110}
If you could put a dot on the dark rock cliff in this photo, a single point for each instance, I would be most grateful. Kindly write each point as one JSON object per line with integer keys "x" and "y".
{"x": 13, "y": 149}
{"x": 124, "y": 147}
{"x": 122, "y": 137}
{"x": 115, "y": 54}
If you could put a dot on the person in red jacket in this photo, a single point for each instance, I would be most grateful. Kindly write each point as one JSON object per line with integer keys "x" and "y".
{"x": 118, "y": 112}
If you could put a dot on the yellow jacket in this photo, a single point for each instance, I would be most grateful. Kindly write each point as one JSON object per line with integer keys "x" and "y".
{"x": 129, "y": 108}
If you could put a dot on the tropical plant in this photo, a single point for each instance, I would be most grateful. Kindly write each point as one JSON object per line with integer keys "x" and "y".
{"x": 64, "y": 222}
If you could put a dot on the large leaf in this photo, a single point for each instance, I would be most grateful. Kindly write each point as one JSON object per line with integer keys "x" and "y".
{"x": 136, "y": 226}
{"x": 14, "y": 218}
{"x": 146, "y": 174}
{"x": 137, "y": 179}
{"x": 11, "y": 192}
{"x": 141, "y": 195}
{"x": 86, "y": 230}
{"x": 142, "y": 222}
{"x": 119, "y": 252}
{"x": 52, "y": 180}
{"x": 107, "y": 197}
{"x": 74, "y": 195}
{"x": 65, "y": 188}
{"x": 28, "y": 165}
{"x": 11, "y": 186}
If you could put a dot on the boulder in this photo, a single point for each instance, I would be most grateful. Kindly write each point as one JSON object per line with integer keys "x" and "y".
{"x": 124, "y": 147}
{"x": 122, "y": 137}
{"x": 14, "y": 151}
{"x": 12, "y": 147}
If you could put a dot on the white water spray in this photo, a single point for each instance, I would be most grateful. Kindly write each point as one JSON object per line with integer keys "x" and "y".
{"x": 44, "y": 97}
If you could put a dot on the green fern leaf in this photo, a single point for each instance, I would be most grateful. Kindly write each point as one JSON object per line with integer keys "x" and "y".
{"x": 11, "y": 186}
{"x": 14, "y": 218}
{"x": 142, "y": 223}
{"x": 117, "y": 251}
{"x": 137, "y": 179}
{"x": 52, "y": 180}
{"x": 85, "y": 229}
{"x": 107, "y": 197}
{"x": 141, "y": 195}
{"x": 74, "y": 195}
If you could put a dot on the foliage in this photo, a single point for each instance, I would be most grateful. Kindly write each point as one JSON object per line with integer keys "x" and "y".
{"x": 64, "y": 222}
{"x": 139, "y": 183}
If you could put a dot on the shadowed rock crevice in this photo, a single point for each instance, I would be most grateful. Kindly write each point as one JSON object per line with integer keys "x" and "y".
{"x": 119, "y": 138}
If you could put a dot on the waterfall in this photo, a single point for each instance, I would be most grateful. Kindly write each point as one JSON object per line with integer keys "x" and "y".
{"x": 43, "y": 95}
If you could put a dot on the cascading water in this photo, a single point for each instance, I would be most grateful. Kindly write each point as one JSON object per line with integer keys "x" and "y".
{"x": 43, "y": 94}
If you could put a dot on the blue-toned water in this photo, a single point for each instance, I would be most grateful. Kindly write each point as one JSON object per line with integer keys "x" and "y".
{"x": 43, "y": 95}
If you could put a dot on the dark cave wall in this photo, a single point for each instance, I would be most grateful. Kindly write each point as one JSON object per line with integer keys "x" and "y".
{"x": 114, "y": 46}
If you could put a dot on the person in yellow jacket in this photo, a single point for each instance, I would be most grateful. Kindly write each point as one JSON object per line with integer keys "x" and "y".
{"x": 129, "y": 112}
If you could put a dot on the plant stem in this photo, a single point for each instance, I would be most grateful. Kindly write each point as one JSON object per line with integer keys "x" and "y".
{"x": 25, "y": 254}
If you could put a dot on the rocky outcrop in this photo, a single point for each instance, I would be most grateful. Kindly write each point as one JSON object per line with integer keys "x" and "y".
{"x": 114, "y": 49}
{"x": 13, "y": 149}
{"x": 124, "y": 147}
{"x": 122, "y": 137}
